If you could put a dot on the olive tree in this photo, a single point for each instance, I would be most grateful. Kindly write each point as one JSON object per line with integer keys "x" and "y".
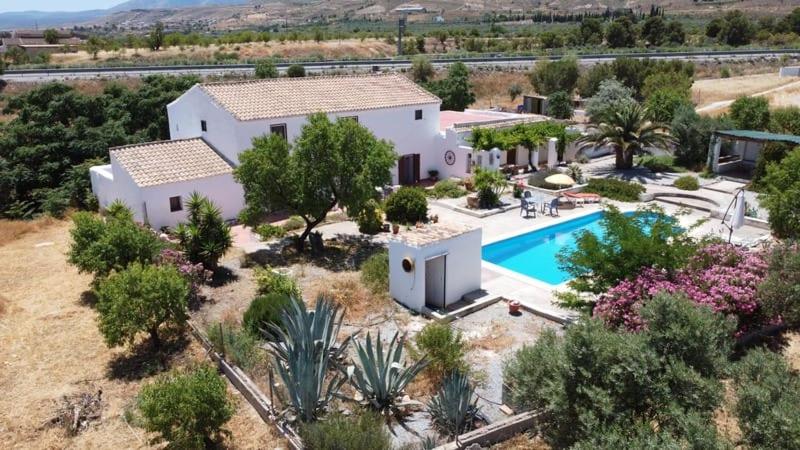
{"x": 329, "y": 164}
{"x": 140, "y": 299}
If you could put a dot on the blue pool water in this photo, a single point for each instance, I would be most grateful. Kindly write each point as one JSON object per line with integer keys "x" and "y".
{"x": 534, "y": 253}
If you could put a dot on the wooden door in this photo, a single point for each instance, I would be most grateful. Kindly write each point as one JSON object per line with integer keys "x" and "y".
{"x": 511, "y": 157}
{"x": 416, "y": 168}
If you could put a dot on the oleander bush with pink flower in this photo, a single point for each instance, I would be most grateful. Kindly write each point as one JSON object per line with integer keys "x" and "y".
{"x": 721, "y": 276}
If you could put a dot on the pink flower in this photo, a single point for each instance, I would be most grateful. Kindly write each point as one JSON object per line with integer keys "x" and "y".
{"x": 721, "y": 276}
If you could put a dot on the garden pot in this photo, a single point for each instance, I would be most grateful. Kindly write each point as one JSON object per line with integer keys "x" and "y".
{"x": 513, "y": 307}
{"x": 472, "y": 201}
{"x": 395, "y": 228}
{"x": 435, "y": 218}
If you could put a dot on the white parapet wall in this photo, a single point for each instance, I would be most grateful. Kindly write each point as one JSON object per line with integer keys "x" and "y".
{"x": 434, "y": 266}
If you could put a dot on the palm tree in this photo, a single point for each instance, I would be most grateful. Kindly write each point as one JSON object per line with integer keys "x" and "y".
{"x": 629, "y": 131}
{"x": 206, "y": 237}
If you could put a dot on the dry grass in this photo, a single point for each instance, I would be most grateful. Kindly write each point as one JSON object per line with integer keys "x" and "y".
{"x": 720, "y": 89}
{"x": 347, "y": 291}
{"x": 491, "y": 88}
{"x": 495, "y": 339}
{"x": 303, "y": 49}
{"x": 522, "y": 442}
{"x": 51, "y": 348}
{"x": 11, "y": 230}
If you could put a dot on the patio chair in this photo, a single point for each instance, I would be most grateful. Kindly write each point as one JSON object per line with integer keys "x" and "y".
{"x": 527, "y": 204}
{"x": 554, "y": 206}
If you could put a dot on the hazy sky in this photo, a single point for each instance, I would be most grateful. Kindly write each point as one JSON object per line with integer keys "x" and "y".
{"x": 55, "y": 5}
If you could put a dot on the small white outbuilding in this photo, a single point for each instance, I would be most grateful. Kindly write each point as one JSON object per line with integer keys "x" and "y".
{"x": 434, "y": 266}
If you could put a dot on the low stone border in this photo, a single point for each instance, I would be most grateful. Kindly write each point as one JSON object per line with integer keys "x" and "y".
{"x": 674, "y": 199}
{"x": 497, "y": 431}
{"x": 479, "y": 213}
{"x": 249, "y": 391}
{"x": 470, "y": 308}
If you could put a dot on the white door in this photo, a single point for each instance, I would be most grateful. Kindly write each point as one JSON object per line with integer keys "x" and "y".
{"x": 435, "y": 276}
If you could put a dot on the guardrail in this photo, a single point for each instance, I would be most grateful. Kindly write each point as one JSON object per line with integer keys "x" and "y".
{"x": 389, "y": 62}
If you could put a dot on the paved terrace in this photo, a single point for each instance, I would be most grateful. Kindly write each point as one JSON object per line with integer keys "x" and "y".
{"x": 531, "y": 292}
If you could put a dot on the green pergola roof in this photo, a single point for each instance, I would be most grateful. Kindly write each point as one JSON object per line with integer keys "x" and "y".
{"x": 759, "y": 136}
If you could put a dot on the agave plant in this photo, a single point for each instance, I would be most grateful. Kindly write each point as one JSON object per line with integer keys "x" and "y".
{"x": 379, "y": 376}
{"x": 453, "y": 408}
{"x": 304, "y": 351}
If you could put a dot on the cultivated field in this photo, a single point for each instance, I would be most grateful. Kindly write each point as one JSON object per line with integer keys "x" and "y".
{"x": 51, "y": 348}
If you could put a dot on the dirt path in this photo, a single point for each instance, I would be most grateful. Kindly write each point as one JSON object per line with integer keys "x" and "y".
{"x": 736, "y": 89}
{"x": 51, "y": 348}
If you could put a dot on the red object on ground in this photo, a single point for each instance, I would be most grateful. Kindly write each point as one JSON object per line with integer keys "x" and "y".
{"x": 513, "y": 306}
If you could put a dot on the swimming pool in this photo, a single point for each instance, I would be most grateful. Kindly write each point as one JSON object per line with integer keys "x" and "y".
{"x": 534, "y": 254}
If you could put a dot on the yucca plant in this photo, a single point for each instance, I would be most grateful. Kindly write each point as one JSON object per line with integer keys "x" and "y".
{"x": 453, "y": 408}
{"x": 206, "y": 237}
{"x": 379, "y": 376}
{"x": 304, "y": 352}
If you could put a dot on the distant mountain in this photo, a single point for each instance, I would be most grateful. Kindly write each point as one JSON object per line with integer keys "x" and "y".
{"x": 31, "y": 19}
{"x": 170, "y": 4}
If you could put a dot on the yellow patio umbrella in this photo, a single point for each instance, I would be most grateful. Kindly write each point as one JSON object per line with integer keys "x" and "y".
{"x": 560, "y": 179}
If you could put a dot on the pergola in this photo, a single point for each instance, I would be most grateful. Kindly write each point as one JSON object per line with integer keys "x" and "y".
{"x": 743, "y": 154}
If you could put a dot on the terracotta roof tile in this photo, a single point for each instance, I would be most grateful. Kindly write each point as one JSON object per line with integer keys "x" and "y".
{"x": 287, "y": 97}
{"x": 163, "y": 162}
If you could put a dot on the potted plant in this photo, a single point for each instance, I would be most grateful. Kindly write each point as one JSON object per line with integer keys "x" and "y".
{"x": 395, "y": 228}
{"x": 433, "y": 174}
{"x": 514, "y": 306}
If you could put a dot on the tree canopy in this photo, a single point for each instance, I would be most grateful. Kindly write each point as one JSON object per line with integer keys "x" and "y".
{"x": 548, "y": 76}
{"x": 55, "y": 129}
{"x": 455, "y": 90}
{"x": 781, "y": 195}
{"x": 140, "y": 299}
{"x": 330, "y": 163}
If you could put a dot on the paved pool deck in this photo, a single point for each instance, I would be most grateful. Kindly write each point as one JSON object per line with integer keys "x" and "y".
{"x": 533, "y": 293}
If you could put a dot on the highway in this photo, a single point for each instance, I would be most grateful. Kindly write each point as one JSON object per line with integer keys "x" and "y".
{"x": 39, "y": 75}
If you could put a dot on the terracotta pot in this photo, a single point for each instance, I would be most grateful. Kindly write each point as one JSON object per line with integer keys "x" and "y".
{"x": 513, "y": 307}
{"x": 395, "y": 228}
{"x": 435, "y": 218}
{"x": 472, "y": 201}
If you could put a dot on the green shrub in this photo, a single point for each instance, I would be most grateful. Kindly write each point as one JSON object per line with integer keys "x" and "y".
{"x": 269, "y": 281}
{"x": 781, "y": 196}
{"x": 370, "y": 220}
{"x": 725, "y": 72}
{"x": 407, "y": 206}
{"x": 375, "y": 272}
{"x": 447, "y": 189}
{"x": 237, "y": 344}
{"x": 296, "y": 71}
{"x": 490, "y": 185}
{"x": 687, "y": 183}
{"x": 768, "y": 393}
{"x": 263, "y": 311}
{"x": 444, "y": 347}
{"x": 267, "y": 231}
{"x": 366, "y": 431}
{"x": 614, "y": 189}
{"x": 595, "y": 379}
{"x": 780, "y": 291}
{"x": 206, "y": 236}
{"x": 559, "y": 105}
{"x": 187, "y": 409}
{"x": 663, "y": 163}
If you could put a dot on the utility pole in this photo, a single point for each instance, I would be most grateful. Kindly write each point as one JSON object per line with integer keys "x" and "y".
{"x": 401, "y": 29}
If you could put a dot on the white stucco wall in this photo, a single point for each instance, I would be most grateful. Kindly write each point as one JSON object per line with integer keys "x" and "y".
{"x": 226, "y": 194}
{"x": 231, "y": 137}
{"x": 194, "y": 106}
{"x": 103, "y": 187}
{"x": 463, "y": 268}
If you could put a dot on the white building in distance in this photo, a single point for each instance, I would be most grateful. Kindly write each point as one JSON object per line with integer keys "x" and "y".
{"x": 212, "y": 123}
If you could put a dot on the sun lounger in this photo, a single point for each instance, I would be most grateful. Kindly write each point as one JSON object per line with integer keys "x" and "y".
{"x": 586, "y": 197}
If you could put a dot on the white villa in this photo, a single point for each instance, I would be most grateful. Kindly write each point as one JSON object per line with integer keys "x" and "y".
{"x": 212, "y": 123}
